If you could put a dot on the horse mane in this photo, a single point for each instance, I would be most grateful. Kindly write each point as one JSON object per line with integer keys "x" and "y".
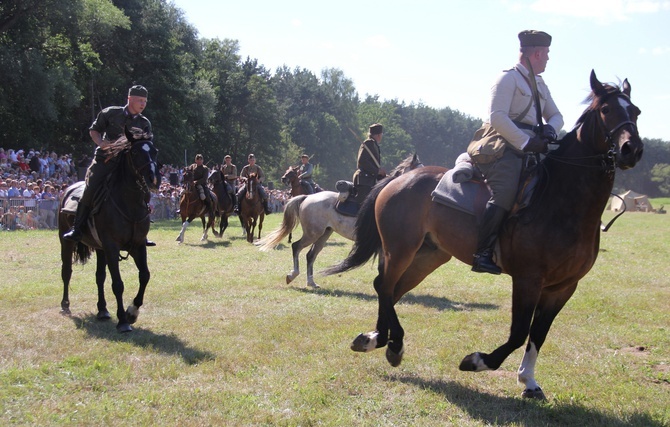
{"x": 595, "y": 101}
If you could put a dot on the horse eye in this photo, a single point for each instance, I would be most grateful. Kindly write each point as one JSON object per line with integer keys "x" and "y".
{"x": 605, "y": 110}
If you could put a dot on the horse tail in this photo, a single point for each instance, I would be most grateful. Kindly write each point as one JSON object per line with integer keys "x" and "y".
{"x": 367, "y": 241}
{"x": 290, "y": 221}
{"x": 82, "y": 253}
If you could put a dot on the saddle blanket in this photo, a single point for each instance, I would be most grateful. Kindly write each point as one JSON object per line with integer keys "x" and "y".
{"x": 467, "y": 196}
{"x": 72, "y": 198}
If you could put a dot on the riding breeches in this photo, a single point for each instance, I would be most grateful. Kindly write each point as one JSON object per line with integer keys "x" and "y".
{"x": 502, "y": 177}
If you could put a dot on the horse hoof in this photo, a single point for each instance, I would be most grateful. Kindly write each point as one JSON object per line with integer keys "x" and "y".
{"x": 132, "y": 313}
{"x": 314, "y": 285}
{"x": 365, "y": 342}
{"x": 65, "y": 311}
{"x": 394, "y": 358}
{"x": 123, "y": 328}
{"x": 103, "y": 315}
{"x": 290, "y": 277}
{"x": 534, "y": 394}
{"x": 473, "y": 363}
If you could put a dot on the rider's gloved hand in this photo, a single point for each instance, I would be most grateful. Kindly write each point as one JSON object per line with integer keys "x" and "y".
{"x": 536, "y": 144}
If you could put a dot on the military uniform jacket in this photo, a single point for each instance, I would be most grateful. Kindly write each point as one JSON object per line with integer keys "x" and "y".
{"x": 200, "y": 173}
{"x": 366, "y": 163}
{"x": 111, "y": 121}
{"x": 510, "y": 96}
{"x": 229, "y": 172}
{"x": 306, "y": 172}
{"x": 248, "y": 170}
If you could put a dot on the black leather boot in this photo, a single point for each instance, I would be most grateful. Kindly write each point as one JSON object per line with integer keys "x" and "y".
{"x": 488, "y": 234}
{"x": 266, "y": 207}
{"x": 75, "y": 234}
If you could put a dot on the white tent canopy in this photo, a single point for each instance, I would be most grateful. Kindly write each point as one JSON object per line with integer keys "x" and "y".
{"x": 635, "y": 202}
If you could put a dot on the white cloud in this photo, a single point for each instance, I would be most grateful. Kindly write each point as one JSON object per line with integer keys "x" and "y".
{"x": 602, "y": 11}
{"x": 296, "y": 22}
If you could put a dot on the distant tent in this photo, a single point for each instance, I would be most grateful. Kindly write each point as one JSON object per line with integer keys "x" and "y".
{"x": 634, "y": 202}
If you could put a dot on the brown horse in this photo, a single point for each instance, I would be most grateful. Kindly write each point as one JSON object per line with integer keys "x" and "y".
{"x": 191, "y": 207}
{"x": 120, "y": 223}
{"x": 298, "y": 187}
{"x": 546, "y": 248}
{"x": 251, "y": 208}
{"x": 224, "y": 207}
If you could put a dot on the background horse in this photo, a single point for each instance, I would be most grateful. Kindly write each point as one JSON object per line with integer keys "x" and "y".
{"x": 317, "y": 215}
{"x": 546, "y": 248}
{"x": 251, "y": 208}
{"x": 120, "y": 223}
{"x": 291, "y": 178}
{"x": 191, "y": 207}
{"x": 224, "y": 206}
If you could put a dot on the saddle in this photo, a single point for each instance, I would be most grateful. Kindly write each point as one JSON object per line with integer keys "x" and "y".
{"x": 463, "y": 187}
{"x": 346, "y": 199}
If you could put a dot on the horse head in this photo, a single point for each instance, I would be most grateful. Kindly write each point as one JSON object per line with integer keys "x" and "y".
{"x": 290, "y": 175}
{"x": 251, "y": 184}
{"x": 143, "y": 156}
{"x": 215, "y": 176}
{"x": 612, "y": 119}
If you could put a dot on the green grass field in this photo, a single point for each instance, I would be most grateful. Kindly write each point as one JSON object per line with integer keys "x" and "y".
{"x": 223, "y": 340}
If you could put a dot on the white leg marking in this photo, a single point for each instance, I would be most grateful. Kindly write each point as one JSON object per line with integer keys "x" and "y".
{"x": 526, "y": 373}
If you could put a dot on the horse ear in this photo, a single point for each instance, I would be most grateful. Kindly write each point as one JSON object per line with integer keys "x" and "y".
{"x": 596, "y": 86}
{"x": 626, "y": 87}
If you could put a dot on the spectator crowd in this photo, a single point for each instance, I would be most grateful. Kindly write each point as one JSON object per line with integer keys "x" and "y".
{"x": 32, "y": 183}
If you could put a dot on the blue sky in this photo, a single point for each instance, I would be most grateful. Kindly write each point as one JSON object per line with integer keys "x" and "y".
{"x": 448, "y": 53}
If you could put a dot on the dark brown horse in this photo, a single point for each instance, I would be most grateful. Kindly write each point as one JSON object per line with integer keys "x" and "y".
{"x": 298, "y": 187}
{"x": 120, "y": 223}
{"x": 191, "y": 207}
{"x": 546, "y": 248}
{"x": 251, "y": 208}
{"x": 224, "y": 206}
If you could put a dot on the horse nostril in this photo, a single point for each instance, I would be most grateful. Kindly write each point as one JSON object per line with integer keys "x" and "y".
{"x": 625, "y": 149}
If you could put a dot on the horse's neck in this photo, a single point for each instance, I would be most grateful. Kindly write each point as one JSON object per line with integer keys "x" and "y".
{"x": 577, "y": 184}
{"x": 125, "y": 187}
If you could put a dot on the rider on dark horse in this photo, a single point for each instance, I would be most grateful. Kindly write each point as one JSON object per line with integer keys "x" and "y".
{"x": 305, "y": 171}
{"x": 229, "y": 172}
{"x": 515, "y": 115}
{"x": 368, "y": 163}
{"x": 109, "y": 126}
{"x": 200, "y": 174}
{"x": 252, "y": 167}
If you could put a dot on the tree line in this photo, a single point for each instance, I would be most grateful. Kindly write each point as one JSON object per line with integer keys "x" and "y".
{"x": 61, "y": 62}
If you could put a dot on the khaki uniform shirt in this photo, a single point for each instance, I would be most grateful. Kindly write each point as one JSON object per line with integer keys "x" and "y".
{"x": 248, "y": 170}
{"x": 510, "y": 96}
{"x": 229, "y": 173}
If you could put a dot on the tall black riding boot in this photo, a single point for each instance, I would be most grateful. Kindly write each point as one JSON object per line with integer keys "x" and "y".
{"x": 80, "y": 218}
{"x": 488, "y": 234}
{"x": 266, "y": 207}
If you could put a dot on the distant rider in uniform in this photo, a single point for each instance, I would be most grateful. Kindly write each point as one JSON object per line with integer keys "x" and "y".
{"x": 368, "y": 163}
{"x": 252, "y": 167}
{"x": 305, "y": 172}
{"x": 229, "y": 171}
{"x": 200, "y": 173}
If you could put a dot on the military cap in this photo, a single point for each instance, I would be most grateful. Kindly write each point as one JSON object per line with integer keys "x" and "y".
{"x": 198, "y": 156}
{"x": 534, "y": 38}
{"x": 376, "y": 129}
{"x": 304, "y": 155}
{"x": 251, "y": 156}
{"x": 138, "y": 90}
{"x": 227, "y": 156}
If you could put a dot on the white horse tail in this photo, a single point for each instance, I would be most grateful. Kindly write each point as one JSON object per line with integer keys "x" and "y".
{"x": 290, "y": 221}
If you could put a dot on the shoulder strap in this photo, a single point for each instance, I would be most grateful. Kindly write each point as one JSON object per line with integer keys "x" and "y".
{"x": 374, "y": 159}
{"x": 536, "y": 95}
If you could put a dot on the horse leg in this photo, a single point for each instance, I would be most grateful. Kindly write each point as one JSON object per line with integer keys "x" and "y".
{"x": 260, "y": 225}
{"x": 312, "y": 253}
{"x": 525, "y": 297}
{"x": 112, "y": 257}
{"x": 546, "y": 311}
{"x": 66, "y": 250}
{"x": 184, "y": 225}
{"x": 140, "y": 258}
{"x": 205, "y": 227}
{"x": 100, "y": 276}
